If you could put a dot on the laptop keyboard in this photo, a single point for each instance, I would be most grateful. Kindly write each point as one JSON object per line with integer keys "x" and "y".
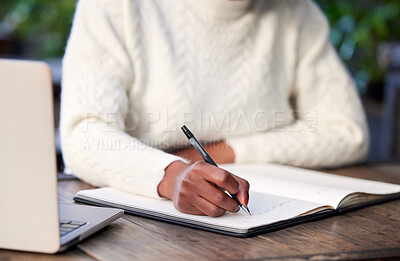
{"x": 67, "y": 226}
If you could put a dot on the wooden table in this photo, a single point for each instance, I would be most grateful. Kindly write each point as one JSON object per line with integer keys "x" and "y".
{"x": 368, "y": 233}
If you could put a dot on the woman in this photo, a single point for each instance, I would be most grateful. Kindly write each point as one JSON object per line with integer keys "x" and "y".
{"x": 258, "y": 81}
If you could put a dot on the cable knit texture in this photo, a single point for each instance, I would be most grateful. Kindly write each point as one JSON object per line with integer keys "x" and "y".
{"x": 260, "y": 74}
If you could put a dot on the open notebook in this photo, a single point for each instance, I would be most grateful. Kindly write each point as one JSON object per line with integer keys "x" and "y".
{"x": 280, "y": 196}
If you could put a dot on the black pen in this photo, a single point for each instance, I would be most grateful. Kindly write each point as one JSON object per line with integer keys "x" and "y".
{"x": 196, "y": 144}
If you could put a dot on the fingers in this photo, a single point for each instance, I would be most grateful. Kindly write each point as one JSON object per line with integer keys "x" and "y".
{"x": 189, "y": 209}
{"x": 217, "y": 176}
{"x": 184, "y": 199}
{"x": 193, "y": 203}
{"x": 243, "y": 193}
{"x": 195, "y": 191}
{"x": 207, "y": 207}
{"x": 217, "y": 197}
{"x": 243, "y": 184}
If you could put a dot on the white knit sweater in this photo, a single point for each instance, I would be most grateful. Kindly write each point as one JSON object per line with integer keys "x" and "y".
{"x": 260, "y": 74}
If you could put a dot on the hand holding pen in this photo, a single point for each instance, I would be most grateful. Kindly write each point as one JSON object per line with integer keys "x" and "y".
{"x": 196, "y": 144}
{"x": 193, "y": 191}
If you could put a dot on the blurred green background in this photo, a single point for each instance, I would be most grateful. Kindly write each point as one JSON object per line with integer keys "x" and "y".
{"x": 41, "y": 28}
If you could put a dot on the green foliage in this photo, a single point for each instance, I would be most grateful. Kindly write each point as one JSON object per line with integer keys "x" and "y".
{"x": 357, "y": 28}
{"x": 43, "y": 25}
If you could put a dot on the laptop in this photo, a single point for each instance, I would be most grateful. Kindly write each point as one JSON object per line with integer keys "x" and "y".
{"x": 31, "y": 219}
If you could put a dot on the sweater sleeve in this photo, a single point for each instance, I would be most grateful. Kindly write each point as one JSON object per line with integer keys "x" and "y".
{"x": 330, "y": 127}
{"x": 97, "y": 73}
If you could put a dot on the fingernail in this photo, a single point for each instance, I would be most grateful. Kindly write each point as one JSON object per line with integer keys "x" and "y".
{"x": 246, "y": 198}
{"x": 238, "y": 208}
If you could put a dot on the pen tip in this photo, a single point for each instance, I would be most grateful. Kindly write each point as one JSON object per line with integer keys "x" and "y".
{"x": 246, "y": 209}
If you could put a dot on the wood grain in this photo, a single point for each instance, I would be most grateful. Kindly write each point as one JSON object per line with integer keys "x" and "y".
{"x": 72, "y": 254}
{"x": 367, "y": 233}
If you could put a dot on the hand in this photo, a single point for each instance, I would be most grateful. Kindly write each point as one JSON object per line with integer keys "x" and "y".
{"x": 192, "y": 191}
{"x": 220, "y": 152}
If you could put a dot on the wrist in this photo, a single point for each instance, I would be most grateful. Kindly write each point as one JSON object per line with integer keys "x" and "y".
{"x": 166, "y": 186}
{"x": 221, "y": 152}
